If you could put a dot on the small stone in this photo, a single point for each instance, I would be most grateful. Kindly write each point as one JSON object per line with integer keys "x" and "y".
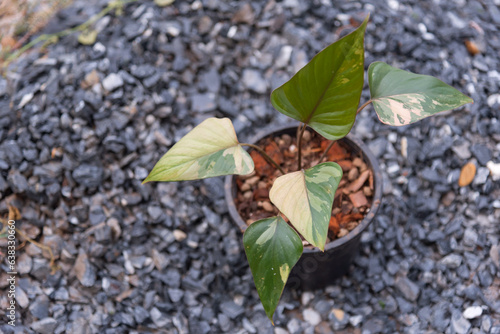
{"x": 112, "y": 82}
{"x": 473, "y": 312}
{"x": 253, "y": 80}
{"x": 88, "y": 175}
{"x": 342, "y": 233}
{"x": 203, "y": 102}
{"x": 175, "y": 295}
{"x": 231, "y": 309}
{"x": 311, "y": 316}
{"x": 267, "y": 206}
{"x": 353, "y": 174}
{"x": 306, "y": 297}
{"x": 244, "y": 15}
{"x": 452, "y": 261}
{"x": 459, "y": 324}
{"x": 90, "y": 79}
{"x": 338, "y": 314}
{"x": 205, "y": 25}
{"x": 486, "y": 323}
{"x": 179, "y": 235}
{"x": 358, "y": 199}
{"x": 495, "y": 255}
{"x": 142, "y": 71}
{"x": 159, "y": 259}
{"x": 462, "y": 150}
{"x": 409, "y": 289}
{"x": 24, "y": 264}
{"x": 470, "y": 237}
{"x": 467, "y": 174}
{"x": 40, "y": 307}
{"x": 482, "y": 153}
{"x": 159, "y": 319}
{"x": 494, "y": 170}
{"x": 21, "y": 298}
{"x": 355, "y": 320}
{"x": 284, "y": 56}
{"x": 17, "y": 182}
{"x": 84, "y": 271}
{"x": 493, "y": 99}
{"x": 45, "y": 326}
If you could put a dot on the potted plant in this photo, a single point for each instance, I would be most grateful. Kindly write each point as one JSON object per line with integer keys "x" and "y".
{"x": 324, "y": 96}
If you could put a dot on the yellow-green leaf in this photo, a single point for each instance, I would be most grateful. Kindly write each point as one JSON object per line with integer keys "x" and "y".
{"x": 401, "y": 98}
{"x": 306, "y": 199}
{"x": 210, "y": 149}
{"x": 164, "y": 3}
{"x": 87, "y": 37}
{"x": 272, "y": 248}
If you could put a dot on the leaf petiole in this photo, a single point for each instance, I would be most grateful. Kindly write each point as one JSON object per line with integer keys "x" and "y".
{"x": 266, "y": 156}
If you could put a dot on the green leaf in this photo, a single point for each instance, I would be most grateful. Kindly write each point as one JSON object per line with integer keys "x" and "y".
{"x": 325, "y": 93}
{"x": 306, "y": 199}
{"x": 87, "y": 37}
{"x": 272, "y": 248}
{"x": 210, "y": 149}
{"x": 400, "y": 97}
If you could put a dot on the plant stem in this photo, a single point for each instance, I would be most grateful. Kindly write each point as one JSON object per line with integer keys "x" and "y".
{"x": 81, "y": 27}
{"x": 300, "y": 133}
{"x": 333, "y": 141}
{"x": 266, "y": 156}
{"x": 363, "y": 106}
{"x": 326, "y": 151}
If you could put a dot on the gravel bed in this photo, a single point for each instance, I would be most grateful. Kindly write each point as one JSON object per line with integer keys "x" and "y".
{"x": 81, "y": 126}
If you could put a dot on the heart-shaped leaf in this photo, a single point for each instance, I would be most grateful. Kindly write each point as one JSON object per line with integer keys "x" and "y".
{"x": 400, "y": 97}
{"x": 272, "y": 248}
{"x": 325, "y": 93}
{"x": 210, "y": 149}
{"x": 306, "y": 199}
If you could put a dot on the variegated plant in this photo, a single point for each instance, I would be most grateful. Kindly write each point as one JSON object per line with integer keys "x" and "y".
{"x": 325, "y": 96}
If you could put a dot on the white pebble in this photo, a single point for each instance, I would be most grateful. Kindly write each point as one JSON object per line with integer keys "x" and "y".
{"x": 311, "y": 316}
{"x": 494, "y": 170}
{"x": 473, "y": 312}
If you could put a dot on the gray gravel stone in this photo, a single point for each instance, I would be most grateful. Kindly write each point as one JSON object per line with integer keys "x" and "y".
{"x": 253, "y": 80}
{"x": 231, "y": 309}
{"x": 452, "y": 261}
{"x": 459, "y": 324}
{"x": 45, "y": 326}
{"x": 203, "y": 102}
{"x": 88, "y": 175}
{"x": 409, "y": 289}
{"x": 84, "y": 270}
{"x": 112, "y": 82}
{"x": 17, "y": 182}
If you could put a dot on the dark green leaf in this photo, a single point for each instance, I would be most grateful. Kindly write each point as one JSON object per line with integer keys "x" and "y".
{"x": 272, "y": 249}
{"x": 325, "y": 93}
{"x": 400, "y": 97}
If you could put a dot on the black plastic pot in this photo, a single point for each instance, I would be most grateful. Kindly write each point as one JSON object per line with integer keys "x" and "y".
{"x": 317, "y": 269}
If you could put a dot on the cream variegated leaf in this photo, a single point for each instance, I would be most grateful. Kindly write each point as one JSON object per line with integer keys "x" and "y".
{"x": 210, "y": 149}
{"x": 306, "y": 199}
{"x": 400, "y": 97}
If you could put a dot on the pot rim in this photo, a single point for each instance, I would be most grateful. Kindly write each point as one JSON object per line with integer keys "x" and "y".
{"x": 367, "y": 156}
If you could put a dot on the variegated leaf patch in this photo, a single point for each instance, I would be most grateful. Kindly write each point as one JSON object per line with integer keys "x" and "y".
{"x": 210, "y": 149}
{"x": 272, "y": 248}
{"x": 306, "y": 199}
{"x": 400, "y": 97}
